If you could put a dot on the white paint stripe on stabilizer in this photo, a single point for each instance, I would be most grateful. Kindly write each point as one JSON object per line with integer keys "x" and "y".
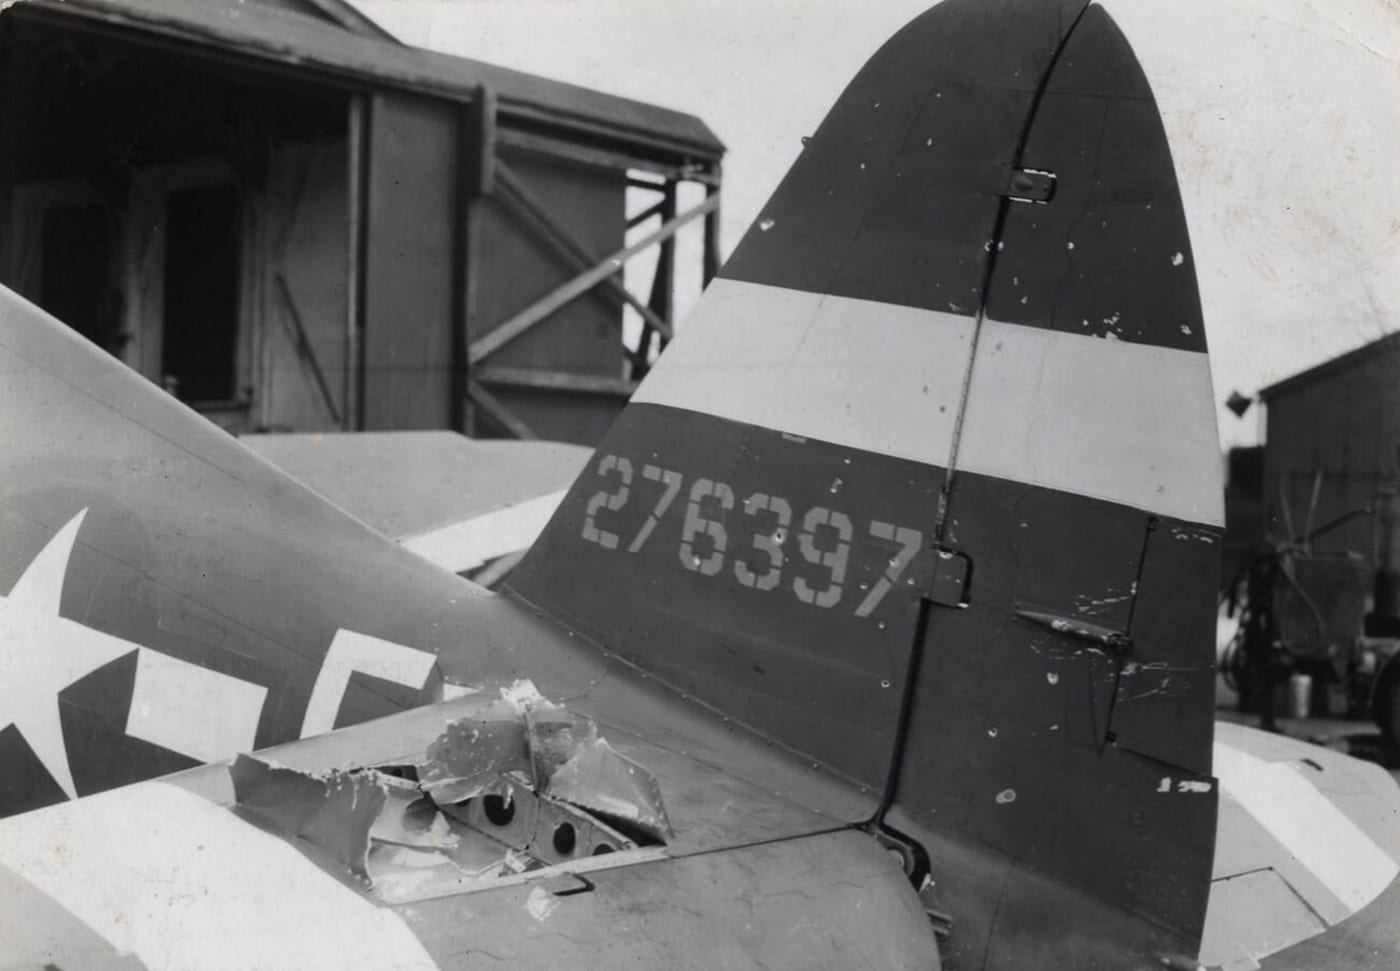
{"x": 467, "y": 544}
{"x": 192, "y": 710}
{"x": 853, "y": 372}
{"x": 182, "y": 883}
{"x": 1129, "y": 423}
{"x": 1314, "y": 830}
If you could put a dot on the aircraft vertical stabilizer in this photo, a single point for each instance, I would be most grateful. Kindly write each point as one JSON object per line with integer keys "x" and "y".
{"x": 928, "y": 487}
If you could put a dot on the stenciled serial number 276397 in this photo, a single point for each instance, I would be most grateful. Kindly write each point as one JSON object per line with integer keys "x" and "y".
{"x": 823, "y": 540}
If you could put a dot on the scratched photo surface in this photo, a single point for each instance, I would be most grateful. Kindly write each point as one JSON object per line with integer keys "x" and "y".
{"x": 610, "y": 482}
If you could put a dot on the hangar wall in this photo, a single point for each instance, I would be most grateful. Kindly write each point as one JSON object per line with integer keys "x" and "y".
{"x": 1336, "y": 425}
{"x": 297, "y": 224}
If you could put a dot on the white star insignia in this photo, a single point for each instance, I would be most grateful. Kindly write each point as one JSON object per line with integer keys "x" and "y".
{"x": 178, "y": 705}
{"x": 42, "y": 653}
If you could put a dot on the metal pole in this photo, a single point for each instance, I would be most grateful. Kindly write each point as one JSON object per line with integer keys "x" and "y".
{"x": 352, "y": 416}
{"x": 712, "y": 260}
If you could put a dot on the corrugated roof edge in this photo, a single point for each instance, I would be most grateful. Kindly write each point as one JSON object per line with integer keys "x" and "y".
{"x": 302, "y": 42}
{"x": 352, "y": 18}
{"x": 1390, "y": 342}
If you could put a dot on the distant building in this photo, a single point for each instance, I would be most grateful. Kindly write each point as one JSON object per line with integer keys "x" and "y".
{"x": 1244, "y": 525}
{"x": 294, "y": 222}
{"x": 1332, "y": 438}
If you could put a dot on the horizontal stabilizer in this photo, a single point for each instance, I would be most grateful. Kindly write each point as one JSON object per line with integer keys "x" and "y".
{"x": 349, "y": 850}
{"x": 456, "y": 501}
{"x": 1307, "y": 855}
{"x": 177, "y": 598}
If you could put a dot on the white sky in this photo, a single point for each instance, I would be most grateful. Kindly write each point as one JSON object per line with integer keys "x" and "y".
{"x": 1283, "y": 115}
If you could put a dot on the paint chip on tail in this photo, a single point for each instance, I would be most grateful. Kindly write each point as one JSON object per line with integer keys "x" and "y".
{"x": 540, "y": 904}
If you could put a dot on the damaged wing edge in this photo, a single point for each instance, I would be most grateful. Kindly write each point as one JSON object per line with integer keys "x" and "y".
{"x": 517, "y": 786}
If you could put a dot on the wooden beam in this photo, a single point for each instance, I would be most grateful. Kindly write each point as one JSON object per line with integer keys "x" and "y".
{"x": 579, "y": 285}
{"x": 663, "y": 286}
{"x": 635, "y": 183}
{"x": 476, "y": 162}
{"x": 564, "y": 244}
{"x": 353, "y": 378}
{"x": 544, "y": 380}
{"x": 560, "y": 150}
{"x": 482, "y": 134}
{"x": 712, "y": 260}
{"x": 646, "y": 214}
{"x": 304, "y": 349}
{"x": 498, "y": 412}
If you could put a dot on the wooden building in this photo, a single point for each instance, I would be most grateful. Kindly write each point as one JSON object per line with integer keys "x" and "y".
{"x": 1331, "y": 441}
{"x": 294, "y": 222}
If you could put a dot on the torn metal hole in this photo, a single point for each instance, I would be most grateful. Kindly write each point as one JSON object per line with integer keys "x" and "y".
{"x": 499, "y": 810}
{"x": 519, "y": 785}
{"x": 565, "y": 839}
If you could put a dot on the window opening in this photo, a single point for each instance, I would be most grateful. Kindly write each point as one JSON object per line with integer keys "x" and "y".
{"x": 199, "y": 346}
{"x": 75, "y": 282}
